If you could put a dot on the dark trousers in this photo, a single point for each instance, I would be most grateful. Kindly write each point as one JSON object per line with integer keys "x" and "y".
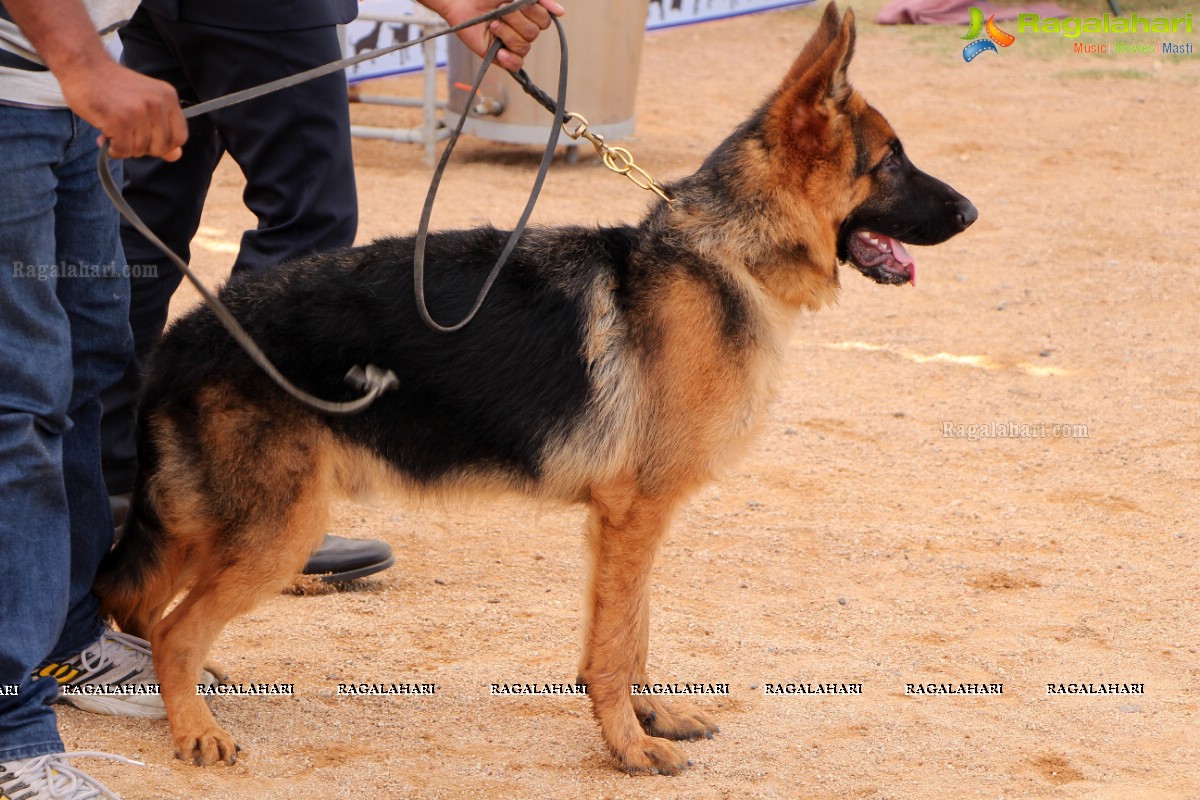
{"x": 292, "y": 146}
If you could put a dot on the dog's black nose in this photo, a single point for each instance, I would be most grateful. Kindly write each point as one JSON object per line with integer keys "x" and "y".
{"x": 967, "y": 213}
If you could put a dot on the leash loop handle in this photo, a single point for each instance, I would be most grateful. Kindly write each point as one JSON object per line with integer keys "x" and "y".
{"x": 519, "y": 228}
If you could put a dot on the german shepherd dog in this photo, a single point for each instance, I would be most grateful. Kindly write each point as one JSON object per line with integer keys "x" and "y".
{"x": 621, "y": 368}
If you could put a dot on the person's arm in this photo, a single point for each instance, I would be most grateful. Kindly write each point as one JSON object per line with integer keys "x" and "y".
{"x": 140, "y": 116}
{"x": 516, "y": 30}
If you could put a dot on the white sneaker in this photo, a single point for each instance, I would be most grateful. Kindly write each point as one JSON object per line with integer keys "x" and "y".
{"x": 115, "y": 676}
{"x": 50, "y": 777}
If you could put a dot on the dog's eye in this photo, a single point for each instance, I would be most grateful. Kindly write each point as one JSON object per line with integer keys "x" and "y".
{"x": 891, "y": 161}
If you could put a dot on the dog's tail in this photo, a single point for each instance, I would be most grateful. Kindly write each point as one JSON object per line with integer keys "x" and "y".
{"x": 138, "y": 579}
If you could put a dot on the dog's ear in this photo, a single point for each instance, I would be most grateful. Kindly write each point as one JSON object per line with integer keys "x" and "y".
{"x": 816, "y": 86}
{"x": 821, "y": 68}
{"x": 839, "y": 85}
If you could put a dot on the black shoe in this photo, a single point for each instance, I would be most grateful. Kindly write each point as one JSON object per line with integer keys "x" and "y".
{"x": 338, "y": 559}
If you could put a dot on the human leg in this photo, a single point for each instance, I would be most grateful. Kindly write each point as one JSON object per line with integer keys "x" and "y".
{"x": 36, "y": 525}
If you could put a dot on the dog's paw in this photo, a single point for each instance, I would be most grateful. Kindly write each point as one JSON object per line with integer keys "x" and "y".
{"x": 679, "y": 721}
{"x": 208, "y": 747}
{"x": 653, "y": 756}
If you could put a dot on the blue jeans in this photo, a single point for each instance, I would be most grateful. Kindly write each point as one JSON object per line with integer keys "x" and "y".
{"x": 64, "y": 338}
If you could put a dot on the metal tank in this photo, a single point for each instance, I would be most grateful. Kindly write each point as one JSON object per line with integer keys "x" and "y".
{"x": 605, "y": 52}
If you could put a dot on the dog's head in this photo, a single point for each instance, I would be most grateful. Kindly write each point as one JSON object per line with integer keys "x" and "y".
{"x": 836, "y": 148}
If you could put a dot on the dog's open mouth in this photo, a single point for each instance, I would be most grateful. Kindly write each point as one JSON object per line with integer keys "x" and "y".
{"x": 881, "y": 258}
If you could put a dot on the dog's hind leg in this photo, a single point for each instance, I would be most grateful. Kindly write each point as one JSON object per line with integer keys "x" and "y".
{"x": 263, "y": 485}
{"x": 242, "y": 579}
{"x": 625, "y": 531}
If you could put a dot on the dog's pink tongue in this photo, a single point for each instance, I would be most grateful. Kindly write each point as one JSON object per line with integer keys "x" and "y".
{"x": 901, "y": 255}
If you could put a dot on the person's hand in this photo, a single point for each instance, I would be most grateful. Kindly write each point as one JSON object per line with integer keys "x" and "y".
{"x": 516, "y": 31}
{"x": 139, "y": 116}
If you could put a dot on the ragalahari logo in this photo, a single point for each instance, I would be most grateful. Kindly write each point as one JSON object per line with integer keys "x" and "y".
{"x": 985, "y": 44}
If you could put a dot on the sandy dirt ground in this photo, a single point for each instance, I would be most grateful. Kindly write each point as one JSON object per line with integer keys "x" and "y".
{"x": 857, "y": 542}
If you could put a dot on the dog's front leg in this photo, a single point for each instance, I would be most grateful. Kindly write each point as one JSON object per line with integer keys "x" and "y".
{"x": 625, "y": 530}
